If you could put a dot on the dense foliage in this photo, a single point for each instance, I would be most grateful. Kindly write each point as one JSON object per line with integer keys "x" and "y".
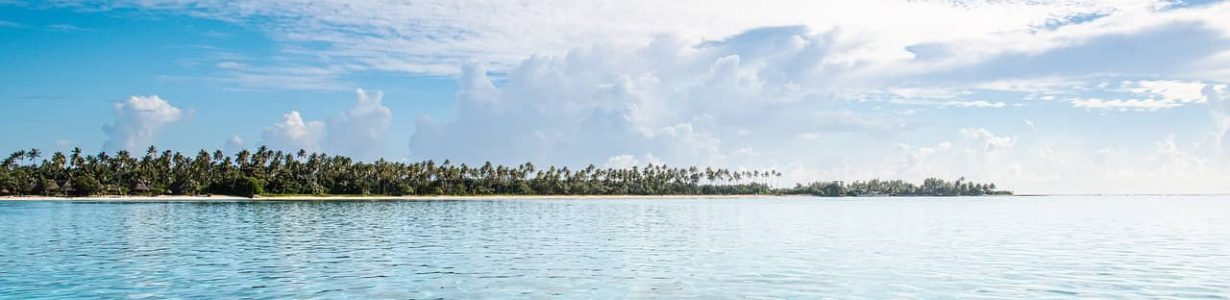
{"x": 929, "y": 187}
{"x": 267, "y": 172}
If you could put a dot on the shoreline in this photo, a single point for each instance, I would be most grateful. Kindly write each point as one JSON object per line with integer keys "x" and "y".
{"x": 374, "y": 197}
{"x": 113, "y": 198}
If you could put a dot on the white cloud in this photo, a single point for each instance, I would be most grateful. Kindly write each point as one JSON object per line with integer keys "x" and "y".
{"x": 437, "y": 36}
{"x": 684, "y": 104}
{"x": 230, "y": 65}
{"x": 1154, "y": 95}
{"x": 65, "y": 28}
{"x": 1041, "y": 85}
{"x": 697, "y": 82}
{"x": 233, "y": 145}
{"x": 1125, "y": 104}
{"x": 779, "y": 89}
{"x": 625, "y": 161}
{"x": 292, "y": 134}
{"x": 916, "y": 162}
{"x": 930, "y": 93}
{"x": 1218, "y": 98}
{"x": 991, "y": 141}
{"x": 138, "y": 121}
{"x": 1168, "y": 166}
{"x": 362, "y": 131}
{"x": 238, "y": 76}
{"x": 959, "y": 103}
{"x": 1169, "y": 90}
{"x": 359, "y": 132}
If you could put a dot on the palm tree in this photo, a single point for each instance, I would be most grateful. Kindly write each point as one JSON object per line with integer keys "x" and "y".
{"x": 281, "y": 172}
{"x": 33, "y": 154}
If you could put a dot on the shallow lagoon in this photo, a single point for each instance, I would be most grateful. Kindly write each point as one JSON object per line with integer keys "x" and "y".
{"x": 994, "y": 247}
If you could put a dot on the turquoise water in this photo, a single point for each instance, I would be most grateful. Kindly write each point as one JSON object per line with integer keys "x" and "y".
{"x": 1000, "y": 247}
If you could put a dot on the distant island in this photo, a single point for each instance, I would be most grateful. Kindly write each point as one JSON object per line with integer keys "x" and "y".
{"x": 267, "y": 172}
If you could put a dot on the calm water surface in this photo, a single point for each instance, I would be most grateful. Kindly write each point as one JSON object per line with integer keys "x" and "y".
{"x": 1005, "y": 247}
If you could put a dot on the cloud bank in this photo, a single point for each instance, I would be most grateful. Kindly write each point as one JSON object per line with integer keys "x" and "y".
{"x": 680, "y": 103}
{"x": 795, "y": 99}
{"x": 360, "y": 132}
{"x": 817, "y": 89}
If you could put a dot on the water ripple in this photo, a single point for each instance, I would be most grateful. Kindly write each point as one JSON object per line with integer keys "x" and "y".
{"x": 1000, "y": 248}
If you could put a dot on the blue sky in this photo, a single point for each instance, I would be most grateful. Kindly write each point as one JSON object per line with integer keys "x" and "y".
{"x": 1066, "y": 96}
{"x": 66, "y": 68}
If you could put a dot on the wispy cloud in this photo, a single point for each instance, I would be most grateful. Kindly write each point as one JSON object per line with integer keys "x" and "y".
{"x": 438, "y": 36}
{"x": 11, "y": 24}
{"x": 1147, "y": 95}
{"x": 65, "y": 28}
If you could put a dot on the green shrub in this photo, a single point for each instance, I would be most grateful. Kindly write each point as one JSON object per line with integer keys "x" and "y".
{"x": 403, "y": 189}
{"x": 248, "y": 186}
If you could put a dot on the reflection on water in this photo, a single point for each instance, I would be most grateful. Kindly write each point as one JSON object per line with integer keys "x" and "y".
{"x": 1098, "y": 247}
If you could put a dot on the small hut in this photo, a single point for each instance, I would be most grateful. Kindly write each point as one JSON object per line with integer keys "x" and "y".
{"x": 140, "y": 188}
{"x": 67, "y": 187}
{"x": 47, "y": 187}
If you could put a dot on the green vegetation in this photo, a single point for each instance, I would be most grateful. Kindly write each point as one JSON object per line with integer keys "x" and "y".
{"x": 929, "y": 187}
{"x": 267, "y": 172}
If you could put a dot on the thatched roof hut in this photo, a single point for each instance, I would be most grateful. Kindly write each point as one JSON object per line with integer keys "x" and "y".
{"x": 47, "y": 187}
{"x": 67, "y": 187}
{"x": 140, "y": 187}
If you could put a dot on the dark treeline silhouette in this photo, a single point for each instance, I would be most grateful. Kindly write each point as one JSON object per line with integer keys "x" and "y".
{"x": 929, "y": 187}
{"x": 268, "y": 172}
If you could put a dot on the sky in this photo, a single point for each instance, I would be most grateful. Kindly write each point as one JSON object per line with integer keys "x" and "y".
{"x": 1110, "y": 96}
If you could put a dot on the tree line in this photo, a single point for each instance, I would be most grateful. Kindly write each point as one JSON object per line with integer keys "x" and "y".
{"x": 271, "y": 172}
{"x": 876, "y": 187}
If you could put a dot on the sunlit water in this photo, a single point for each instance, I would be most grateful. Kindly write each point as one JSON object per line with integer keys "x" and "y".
{"x": 999, "y": 247}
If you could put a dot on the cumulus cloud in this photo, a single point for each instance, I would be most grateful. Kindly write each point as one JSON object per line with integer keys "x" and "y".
{"x": 138, "y": 121}
{"x": 292, "y": 134}
{"x": 789, "y": 93}
{"x": 682, "y": 103}
{"x": 724, "y": 83}
{"x": 360, "y": 132}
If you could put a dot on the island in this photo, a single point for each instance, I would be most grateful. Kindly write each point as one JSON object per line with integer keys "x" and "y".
{"x": 273, "y": 173}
